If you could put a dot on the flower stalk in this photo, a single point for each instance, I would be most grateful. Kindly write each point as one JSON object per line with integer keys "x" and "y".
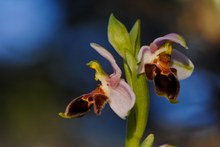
{"x": 138, "y": 117}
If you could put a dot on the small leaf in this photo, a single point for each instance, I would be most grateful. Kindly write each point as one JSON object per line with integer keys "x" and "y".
{"x": 118, "y": 36}
{"x": 135, "y": 37}
{"x": 148, "y": 142}
{"x": 131, "y": 61}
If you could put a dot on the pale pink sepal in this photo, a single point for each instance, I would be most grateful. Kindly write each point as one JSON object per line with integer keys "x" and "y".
{"x": 144, "y": 56}
{"x": 182, "y": 64}
{"x": 121, "y": 99}
{"x": 172, "y": 37}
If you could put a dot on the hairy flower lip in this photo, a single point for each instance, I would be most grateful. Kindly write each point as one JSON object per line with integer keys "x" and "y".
{"x": 81, "y": 105}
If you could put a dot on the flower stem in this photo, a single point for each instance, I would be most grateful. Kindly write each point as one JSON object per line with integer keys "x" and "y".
{"x": 138, "y": 117}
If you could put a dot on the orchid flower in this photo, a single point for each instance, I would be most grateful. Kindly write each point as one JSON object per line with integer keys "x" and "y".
{"x": 112, "y": 90}
{"x": 165, "y": 65}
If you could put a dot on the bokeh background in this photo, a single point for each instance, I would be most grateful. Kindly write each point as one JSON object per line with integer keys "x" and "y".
{"x": 44, "y": 48}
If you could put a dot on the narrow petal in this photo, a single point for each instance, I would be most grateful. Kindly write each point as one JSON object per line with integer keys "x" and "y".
{"x": 182, "y": 64}
{"x": 173, "y": 37}
{"x": 107, "y": 55}
{"x": 121, "y": 99}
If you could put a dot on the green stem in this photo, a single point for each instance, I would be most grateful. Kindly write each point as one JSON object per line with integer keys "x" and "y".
{"x": 138, "y": 117}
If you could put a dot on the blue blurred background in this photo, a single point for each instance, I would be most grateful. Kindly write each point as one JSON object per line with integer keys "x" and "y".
{"x": 44, "y": 48}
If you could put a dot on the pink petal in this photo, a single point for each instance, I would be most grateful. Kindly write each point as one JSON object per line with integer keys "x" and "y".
{"x": 142, "y": 51}
{"x": 114, "y": 80}
{"x": 144, "y": 57}
{"x": 182, "y": 64}
{"x": 115, "y": 77}
{"x": 121, "y": 99}
{"x": 107, "y": 55}
{"x": 173, "y": 37}
{"x": 153, "y": 47}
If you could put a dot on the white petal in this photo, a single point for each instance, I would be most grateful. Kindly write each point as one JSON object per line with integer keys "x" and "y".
{"x": 182, "y": 64}
{"x": 107, "y": 55}
{"x": 121, "y": 99}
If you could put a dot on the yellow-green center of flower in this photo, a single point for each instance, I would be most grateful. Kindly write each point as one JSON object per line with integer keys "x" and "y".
{"x": 163, "y": 59}
{"x": 168, "y": 46}
{"x": 100, "y": 73}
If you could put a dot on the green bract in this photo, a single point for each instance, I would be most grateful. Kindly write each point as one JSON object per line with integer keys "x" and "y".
{"x": 118, "y": 36}
{"x": 135, "y": 36}
{"x": 131, "y": 61}
{"x": 121, "y": 40}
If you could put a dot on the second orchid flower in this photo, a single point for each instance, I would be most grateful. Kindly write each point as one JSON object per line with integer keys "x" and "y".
{"x": 165, "y": 65}
{"x": 112, "y": 90}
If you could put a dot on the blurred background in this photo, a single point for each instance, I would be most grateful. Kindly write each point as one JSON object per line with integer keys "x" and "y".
{"x": 44, "y": 48}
